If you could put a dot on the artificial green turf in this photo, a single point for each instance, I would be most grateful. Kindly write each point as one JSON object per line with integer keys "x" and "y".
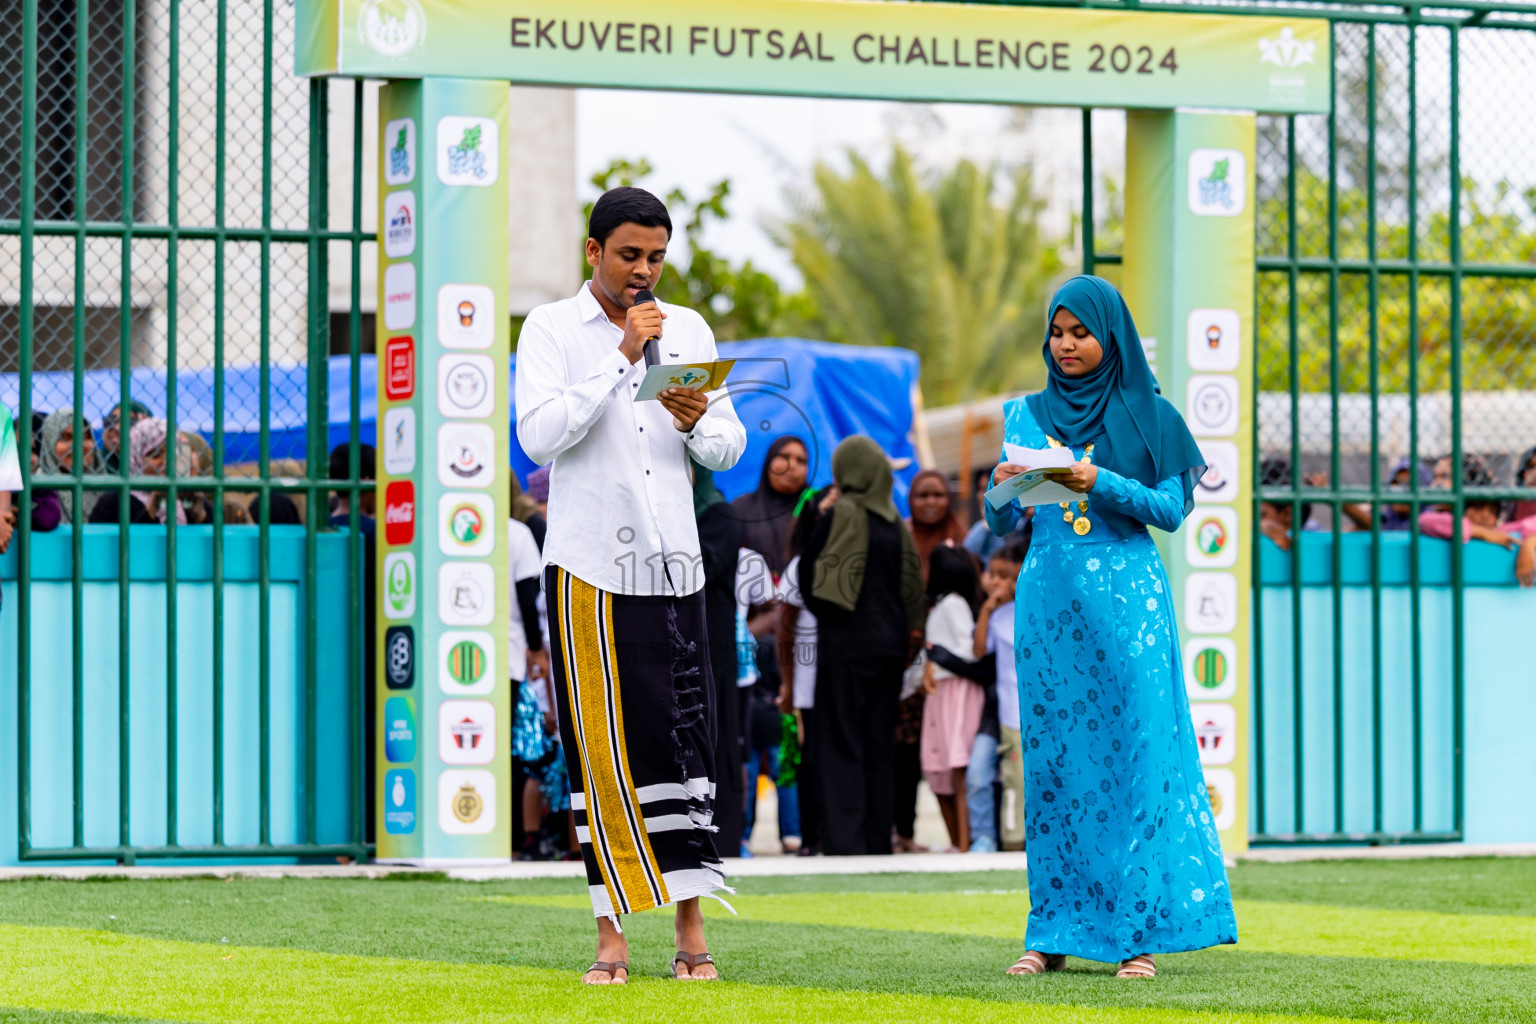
{"x": 852, "y": 944}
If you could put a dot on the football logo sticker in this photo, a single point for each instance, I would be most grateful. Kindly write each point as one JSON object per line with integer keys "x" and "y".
{"x": 399, "y": 585}
{"x": 1215, "y": 732}
{"x": 1221, "y": 481}
{"x": 1214, "y": 339}
{"x": 1210, "y": 537}
{"x": 466, "y": 732}
{"x": 1210, "y": 602}
{"x": 465, "y": 523}
{"x": 1211, "y": 405}
{"x": 466, "y": 801}
{"x": 466, "y": 593}
{"x": 466, "y": 455}
{"x": 466, "y": 316}
{"x": 1210, "y": 668}
{"x": 465, "y": 661}
{"x": 466, "y": 386}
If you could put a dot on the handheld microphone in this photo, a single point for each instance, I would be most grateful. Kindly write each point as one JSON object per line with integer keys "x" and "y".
{"x": 652, "y": 349}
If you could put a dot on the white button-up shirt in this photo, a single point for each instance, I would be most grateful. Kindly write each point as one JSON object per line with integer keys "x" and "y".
{"x": 620, "y": 494}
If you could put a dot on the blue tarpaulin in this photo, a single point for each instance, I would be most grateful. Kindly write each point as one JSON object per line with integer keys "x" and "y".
{"x": 817, "y": 390}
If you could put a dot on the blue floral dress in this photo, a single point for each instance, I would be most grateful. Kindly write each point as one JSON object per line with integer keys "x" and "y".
{"x": 1123, "y": 853}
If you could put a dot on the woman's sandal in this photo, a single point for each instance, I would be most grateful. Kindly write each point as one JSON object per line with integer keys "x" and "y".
{"x": 691, "y": 960}
{"x": 611, "y": 969}
{"x": 1137, "y": 967}
{"x": 1035, "y": 962}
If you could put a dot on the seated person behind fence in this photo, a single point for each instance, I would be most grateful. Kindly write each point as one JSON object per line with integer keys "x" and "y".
{"x": 148, "y": 456}
{"x": 111, "y": 432}
{"x": 56, "y": 455}
{"x": 1276, "y": 517}
{"x": 1480, "y": 518}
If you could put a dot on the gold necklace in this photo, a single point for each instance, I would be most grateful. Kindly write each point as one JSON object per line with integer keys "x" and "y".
{"x": 1080, "y": 522}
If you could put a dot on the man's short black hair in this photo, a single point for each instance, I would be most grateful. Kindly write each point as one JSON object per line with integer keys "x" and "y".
{"x": 341, "y": 462}
{"x": 626, "y": 205}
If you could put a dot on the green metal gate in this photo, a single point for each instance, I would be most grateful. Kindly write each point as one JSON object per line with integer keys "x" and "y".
{"x": 234, "y": 201}
{"x": 166, "y": 149}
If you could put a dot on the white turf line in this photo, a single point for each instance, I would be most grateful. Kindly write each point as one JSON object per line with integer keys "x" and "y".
{"x": 754, "y": 867}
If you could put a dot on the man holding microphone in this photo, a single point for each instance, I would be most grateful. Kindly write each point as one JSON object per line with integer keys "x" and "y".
{"x": 622, "y": 577}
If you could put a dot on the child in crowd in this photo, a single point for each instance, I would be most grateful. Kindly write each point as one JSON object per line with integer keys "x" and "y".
{"x": 953, "y": 709}
{"x": 994, "y": 638}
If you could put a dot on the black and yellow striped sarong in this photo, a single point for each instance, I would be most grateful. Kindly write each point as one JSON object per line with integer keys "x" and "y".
{"x": 633, "y": 684}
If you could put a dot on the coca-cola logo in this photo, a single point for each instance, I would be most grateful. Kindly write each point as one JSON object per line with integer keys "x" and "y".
{"x": 399, "y": 512}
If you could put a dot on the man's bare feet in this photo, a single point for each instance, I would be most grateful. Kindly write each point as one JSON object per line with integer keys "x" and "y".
{"x": 905, "y": 845}
{"x": 690, "y": 939}
{"x": 612, "y": 950}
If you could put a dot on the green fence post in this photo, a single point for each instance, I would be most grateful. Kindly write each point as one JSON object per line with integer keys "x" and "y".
{"x": 125, "y": 364}
{"x": 28, "y": 213}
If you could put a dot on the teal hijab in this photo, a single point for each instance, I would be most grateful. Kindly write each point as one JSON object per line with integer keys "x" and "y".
{"x": 1117, "y": 407}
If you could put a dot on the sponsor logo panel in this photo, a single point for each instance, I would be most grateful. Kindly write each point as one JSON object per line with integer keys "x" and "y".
{"x": 399, "y": 512}
{"x": 466, "y": 593}
{"x": 400, "y": 657}
{"x": 466, "y": 523}
{"x": 466, "y": 801}
{"x": 466, "y": 455}
{"x": 1215, "y": 732}
{"x": 466, "y": 662}
{"x": 1214, "y": 339}
{"x": 1210, "y": 602}
{"x": 400, "y": 151}
{"x": 400, "y": 296}
{"x": 1210, "y": 668}
{"x": 399, "y": 440}
{"x": 466, "y": 732}
{"x": 399, "y": 730}
{"x": 466, "y": 316}
{"x": 400, "y": 801}
{"x": 399, "y": 585}
{"x": 466, "y": 386}
{"x": 1210, "y": 537}
{"x": 1218, "y": 182}
{"x": 468, "y": 150}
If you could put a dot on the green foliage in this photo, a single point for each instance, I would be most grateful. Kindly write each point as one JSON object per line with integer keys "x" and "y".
{"x": 940, "y": 266}
{"x": 737, "y": 300}
{"x": 1498, "y": 313}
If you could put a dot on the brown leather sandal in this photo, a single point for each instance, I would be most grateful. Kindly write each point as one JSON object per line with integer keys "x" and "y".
{"x": 1036, "y": 962}
{"x": 612, "y": 969}
{"x": 692, "y": 960}
{"x": 1137, "y": 967}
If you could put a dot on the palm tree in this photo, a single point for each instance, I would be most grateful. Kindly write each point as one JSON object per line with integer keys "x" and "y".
{"x": 938, "y": 266}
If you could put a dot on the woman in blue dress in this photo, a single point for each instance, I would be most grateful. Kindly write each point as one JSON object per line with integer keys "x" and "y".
{"x": 1124, "y": 860}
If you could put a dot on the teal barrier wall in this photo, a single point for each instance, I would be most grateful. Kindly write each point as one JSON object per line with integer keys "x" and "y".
{"x": 1500, "y": 685}
{"x": 1500, "y": 688}
{"x": 52, "y": 709}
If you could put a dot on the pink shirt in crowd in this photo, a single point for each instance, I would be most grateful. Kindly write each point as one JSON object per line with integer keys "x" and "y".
{"x": 1437, "y": 523}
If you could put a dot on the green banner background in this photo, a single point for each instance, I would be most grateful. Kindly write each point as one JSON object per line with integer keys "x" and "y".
{"x": 847, "y": 48}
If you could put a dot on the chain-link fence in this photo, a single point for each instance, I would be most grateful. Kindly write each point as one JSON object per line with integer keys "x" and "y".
{"x": 168, "y": 219}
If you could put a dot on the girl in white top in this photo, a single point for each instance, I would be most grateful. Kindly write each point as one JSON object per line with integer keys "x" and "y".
{"x": 952, "y": 712}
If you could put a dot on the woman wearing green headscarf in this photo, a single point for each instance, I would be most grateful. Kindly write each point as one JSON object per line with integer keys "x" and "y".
{"x": 56, "y": 456}
{"x": 865, "y": 587}
{"x": 1124, "y": 859}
